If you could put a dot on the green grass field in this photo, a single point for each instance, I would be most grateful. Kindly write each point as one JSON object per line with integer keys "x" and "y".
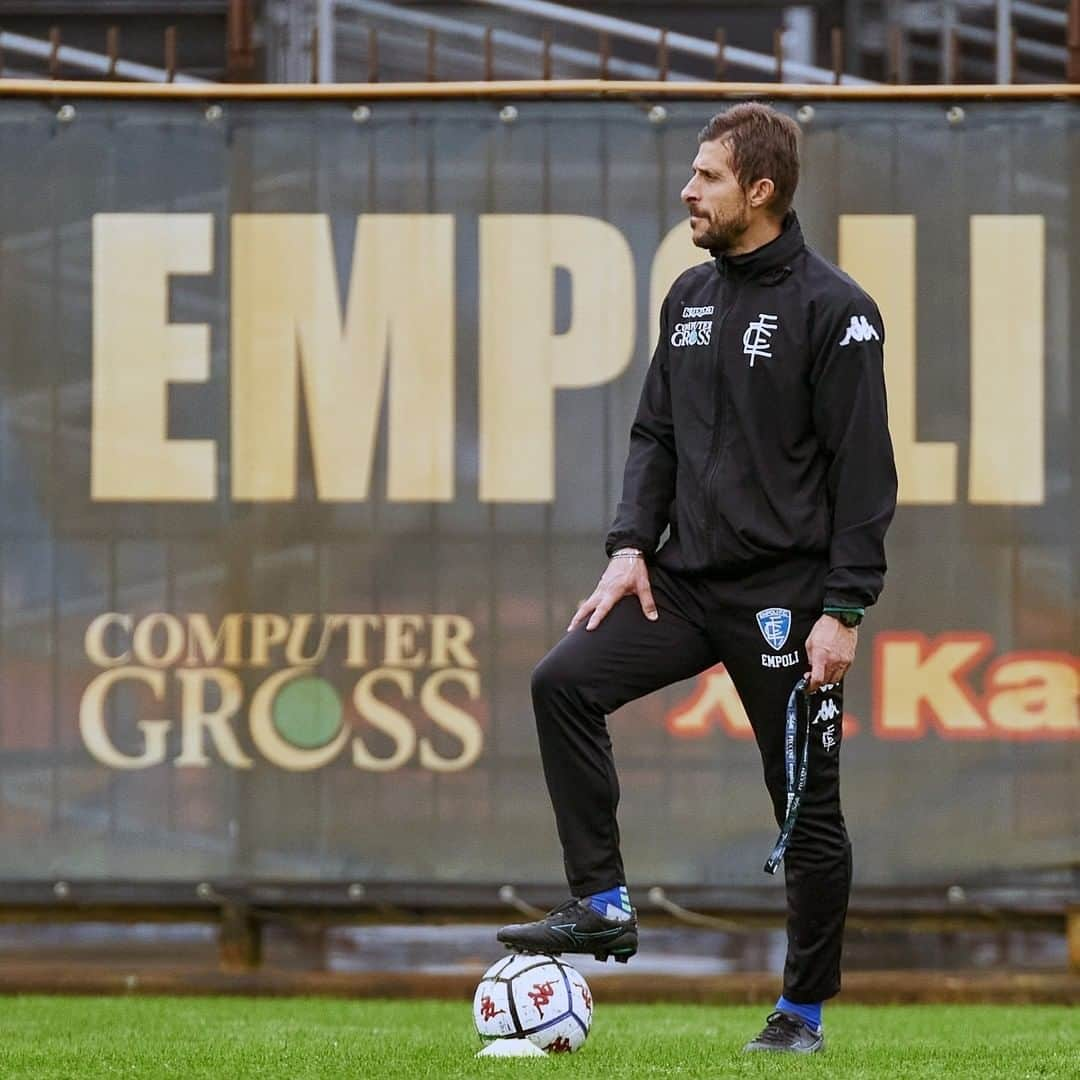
{"x": 236, "y": 1038}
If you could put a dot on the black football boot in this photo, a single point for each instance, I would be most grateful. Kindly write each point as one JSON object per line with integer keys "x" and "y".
{"x": 574, "y": 927}
{"x": 788, "y": 1034}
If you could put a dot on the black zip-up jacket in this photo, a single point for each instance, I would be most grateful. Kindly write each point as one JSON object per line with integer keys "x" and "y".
{"x": 761, "y": 435}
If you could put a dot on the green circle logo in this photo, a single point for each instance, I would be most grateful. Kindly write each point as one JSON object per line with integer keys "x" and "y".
{"x": 307, "y": 712}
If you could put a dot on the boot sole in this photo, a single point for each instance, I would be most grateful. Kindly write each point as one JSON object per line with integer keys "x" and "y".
{"x": 619, "y": 953}
{"x": 751, "y": 1049}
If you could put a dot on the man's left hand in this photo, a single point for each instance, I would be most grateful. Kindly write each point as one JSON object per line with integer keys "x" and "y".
{"x": 830, "y": 648}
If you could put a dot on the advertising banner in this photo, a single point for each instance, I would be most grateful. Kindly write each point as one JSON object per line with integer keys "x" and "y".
{"x": 312, "y": 422}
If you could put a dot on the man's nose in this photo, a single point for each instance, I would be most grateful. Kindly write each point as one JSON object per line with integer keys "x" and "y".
{"x": 688, "y": 195}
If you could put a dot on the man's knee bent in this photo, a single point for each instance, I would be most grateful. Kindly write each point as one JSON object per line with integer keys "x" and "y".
{"x": 565, "y": 674}
{"x": 554, "y": 675}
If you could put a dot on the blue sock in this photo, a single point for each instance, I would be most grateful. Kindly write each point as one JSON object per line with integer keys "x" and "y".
{"x": 612, "y": 903}
{"x": 810, "y": 1013}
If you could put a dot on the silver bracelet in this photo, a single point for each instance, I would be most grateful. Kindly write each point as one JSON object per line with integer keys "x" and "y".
{"x": 628, "y": 553}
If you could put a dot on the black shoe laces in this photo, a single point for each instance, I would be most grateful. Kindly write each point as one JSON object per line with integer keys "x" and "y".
{"x": 572, "y": 902}
{"x": 780, "y": 1029}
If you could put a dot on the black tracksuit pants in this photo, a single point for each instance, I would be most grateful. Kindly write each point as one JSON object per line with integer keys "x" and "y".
{"x": 591, "y": 673}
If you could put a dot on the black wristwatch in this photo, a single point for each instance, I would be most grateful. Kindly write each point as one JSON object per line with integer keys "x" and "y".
{"x": 849, "y": 616}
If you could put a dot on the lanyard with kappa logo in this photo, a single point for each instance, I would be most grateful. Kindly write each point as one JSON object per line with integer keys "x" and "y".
{"x": 798, "y": 701}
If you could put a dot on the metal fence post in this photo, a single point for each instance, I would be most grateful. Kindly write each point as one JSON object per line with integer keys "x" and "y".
{"x": 324, "y": 28}
{"x": 1003, "y": 42}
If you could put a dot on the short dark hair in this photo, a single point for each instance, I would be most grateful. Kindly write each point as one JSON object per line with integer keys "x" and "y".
{"x": 764, "y": 143}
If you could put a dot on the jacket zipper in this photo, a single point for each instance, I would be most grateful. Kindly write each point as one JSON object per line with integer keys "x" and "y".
{"x": 718, "y": 425}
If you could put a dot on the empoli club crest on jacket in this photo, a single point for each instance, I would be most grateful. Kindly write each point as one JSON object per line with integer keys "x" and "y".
{"x": 775, "y": 625}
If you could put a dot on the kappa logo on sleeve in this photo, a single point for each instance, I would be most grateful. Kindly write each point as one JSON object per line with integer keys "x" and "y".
{"x": 828, "y": 715}
{"x": 859, "y": 329}
{"x": 829, "y": 711}
{"x": 775, "y": 625}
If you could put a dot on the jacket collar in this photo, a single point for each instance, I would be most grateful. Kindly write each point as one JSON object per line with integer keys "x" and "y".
{"x": 771, "y": 261}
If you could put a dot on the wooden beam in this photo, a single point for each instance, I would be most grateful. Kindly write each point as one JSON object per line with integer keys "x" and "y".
{"x": 721, "y": 58}
{"x": 54, "y": 52}
{"x": 895, "y": 53}
{"x": 529, "y": 88}
{"x": 954, "y": 55}
{"x": 740, "y": 988}
{"x": 1072, "y": 72}
{"x": 112, "y": 49}
{"x": 372, "y": 55}
{"x": 239, "y": 53}
{"x": 432, "y": 56}
{"x": 170, "y": 53}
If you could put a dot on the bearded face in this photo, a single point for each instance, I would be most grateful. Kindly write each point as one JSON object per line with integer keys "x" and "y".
{"x": 721, "y": 227}
{"x": 719, "y": 207}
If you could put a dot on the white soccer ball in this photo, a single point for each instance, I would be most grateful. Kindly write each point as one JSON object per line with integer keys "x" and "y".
{"x": 534, "y": 997}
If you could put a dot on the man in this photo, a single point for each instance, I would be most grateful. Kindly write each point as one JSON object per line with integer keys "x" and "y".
{"x": 761, "y": 443}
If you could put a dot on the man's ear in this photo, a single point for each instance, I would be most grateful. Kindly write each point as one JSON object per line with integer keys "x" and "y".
{"x": 761, "y": 192}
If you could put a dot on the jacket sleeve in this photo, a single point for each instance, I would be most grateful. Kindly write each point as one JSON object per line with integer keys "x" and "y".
{"x": 851, "y": 421}
{"x": 649, "y": 476}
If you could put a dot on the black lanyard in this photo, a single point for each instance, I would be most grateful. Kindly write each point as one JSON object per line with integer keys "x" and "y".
{"x": 798, "y": 700}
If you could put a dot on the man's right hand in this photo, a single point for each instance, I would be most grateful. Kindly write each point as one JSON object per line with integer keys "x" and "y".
{"x": 625, "y": 576}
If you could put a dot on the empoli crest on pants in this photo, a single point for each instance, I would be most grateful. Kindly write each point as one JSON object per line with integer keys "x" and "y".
{"x": 775, "y": 625}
